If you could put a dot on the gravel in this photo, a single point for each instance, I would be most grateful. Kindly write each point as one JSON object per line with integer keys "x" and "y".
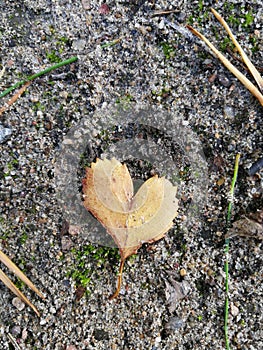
{"x": 148, "y": 63}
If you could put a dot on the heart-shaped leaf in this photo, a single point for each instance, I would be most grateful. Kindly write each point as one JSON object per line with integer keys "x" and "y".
{"x": 130, "y": 219}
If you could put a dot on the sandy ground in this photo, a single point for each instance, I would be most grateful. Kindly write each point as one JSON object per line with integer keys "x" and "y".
{"x": 129, "y": 59}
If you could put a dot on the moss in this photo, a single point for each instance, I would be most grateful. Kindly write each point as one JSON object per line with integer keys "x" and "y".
{"x": 199, "y": 317}
{"x": 4, "y": 233}
{"x": 242, "y": 323}
{"x": 200, "y": 5}
{"x": 226, "y": 44}
{"x": 228, "y": 6}
{"x": 13, "y": 164}
{"x": 164, "y": 92}
{"x": 232, "y": 20}
{"x": 19, "y": 284}
{"x": 125, "y": 101}
{"x": 84, "y": 163}
{"x": 168, "y": 50}
{"x": 23, "y": 238}
{"x": 200, "y": 14}
{"x": 53, "y": 57}
{"x": 249, "y": 19}
{"x": 254, "y": 41}
{"x": 38, "y": 107}
{"x": 85, "y": 257}
{"x": 61, "y": 42}
{"x": 185, "y": 173}
{"x": 190, "y": 20}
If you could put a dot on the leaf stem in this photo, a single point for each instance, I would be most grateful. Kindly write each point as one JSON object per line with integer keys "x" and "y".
{"x": 34, "y": 76}
{"x": 117, "y": 291}
{"x": 230, "y": 204}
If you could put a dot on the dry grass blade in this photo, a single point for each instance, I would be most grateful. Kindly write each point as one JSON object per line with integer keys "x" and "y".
{"x": 164, "y": 12}
{"x": 247, "y": 83}
{"x": 5, "y": 260}
{"x": 16, "y": 291}
{"x": 13, "y": 341}
{"x": 244, "y": 56}
{"x": 12, "y": 267}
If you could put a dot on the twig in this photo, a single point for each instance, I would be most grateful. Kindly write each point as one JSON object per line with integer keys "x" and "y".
{"x": 251, "y": 87}
{"x": 14, "y": 97}
{"x": 32, "y": 77}
{"x": 164, "y": 12}
{"x": 229, "y": 210}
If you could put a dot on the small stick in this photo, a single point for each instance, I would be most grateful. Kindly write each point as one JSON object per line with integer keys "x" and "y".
{"x": 117, "y": 291}
{"x": 164, "y": 12}
{"x": 14, "y": 97}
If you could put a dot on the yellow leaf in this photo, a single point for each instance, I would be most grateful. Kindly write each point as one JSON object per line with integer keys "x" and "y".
{"x": 130, "y": 220}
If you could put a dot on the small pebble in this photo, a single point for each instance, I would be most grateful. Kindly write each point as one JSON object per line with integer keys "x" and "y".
{"x": 86, "y": 4}
{"x": 18, "y": 303}
{"x": 5, "y": 133}
{"x": 220, "y": 181}
{"x": 16, "y": 330}
{"x": 183, "y": 272}
{"x": 229, "y": 112}
{"x": 66, "y": 243}
{"x": 174, "y": 323}
{"x": 212, "y": 77}
{"x": 234, "y": 309}
{"x": 223, "y": 80}
{"x": 24, "y": 334}
{"x": 104, "y": 9}
{"x": 79, "y": 45}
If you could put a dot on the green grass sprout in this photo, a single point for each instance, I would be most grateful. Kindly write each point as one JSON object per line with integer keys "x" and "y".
{"x": 229, "y": 210}
{"x": 34, "y": 76}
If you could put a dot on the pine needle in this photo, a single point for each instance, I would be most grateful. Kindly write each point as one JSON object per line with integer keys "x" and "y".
{"x": 244, "y": 80}
{"x": 4, "y": 278}
{"x": 247, "y": 83}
